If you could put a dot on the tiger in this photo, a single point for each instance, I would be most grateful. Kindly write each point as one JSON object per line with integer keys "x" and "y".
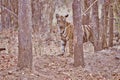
{"x": 66, "y": 31}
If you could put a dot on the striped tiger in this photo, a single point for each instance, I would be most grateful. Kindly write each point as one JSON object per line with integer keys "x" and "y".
{"x": 66, "y": 33}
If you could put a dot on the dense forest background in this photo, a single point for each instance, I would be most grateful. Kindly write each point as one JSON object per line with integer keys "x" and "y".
{"x": 34, "y": 22}
{"x": 44, "y": 21}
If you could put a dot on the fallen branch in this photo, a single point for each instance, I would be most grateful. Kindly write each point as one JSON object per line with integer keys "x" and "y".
{"x": 1, "y": 49}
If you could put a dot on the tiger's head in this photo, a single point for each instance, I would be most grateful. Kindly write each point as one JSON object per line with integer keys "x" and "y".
{"x": 61, "y": 21}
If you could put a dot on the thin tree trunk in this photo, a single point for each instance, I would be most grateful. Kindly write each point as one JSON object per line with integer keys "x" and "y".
{"x": 36, "y": 9}
{"x": 5, "y": 16}
{"x": 14, "y": 8}
{"x": 78, "y": 34}
{"x": 111, "y": 26}
{"x": 95, "y": 22}
{"x": 0, "y": 15}
{"x": 85, "y": 17}
{"x": 105, "y": 24}
{"x": 24, "y": 35}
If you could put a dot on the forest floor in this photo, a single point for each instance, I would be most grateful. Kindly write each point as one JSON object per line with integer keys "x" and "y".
{"x": 101, "y": 65}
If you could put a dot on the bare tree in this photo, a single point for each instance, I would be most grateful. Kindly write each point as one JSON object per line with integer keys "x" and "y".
{"x": 85, "y": 17}
{"x": 78, "y": 34}
{"x": 105, "y": 24}
{"x": 95, "y": 24}
{"x": 9, "y": 9}
{"x": 24, "y": 35}
{"x": 111, "y": 26}
{"x": 5, "y": 15}
{"x": 117, "y": 14}
{"x": 14, "y": 9}
{"x": 0, "y": 15}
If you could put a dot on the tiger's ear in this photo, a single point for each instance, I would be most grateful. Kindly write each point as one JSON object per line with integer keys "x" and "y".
{"x": 57, "y": 15}
{"x": 66, "y": 15}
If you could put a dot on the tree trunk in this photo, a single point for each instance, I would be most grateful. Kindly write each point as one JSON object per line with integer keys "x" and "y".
{"x": 105, "y": 24}
{"x": 24, "y": 35}
{"x": 111, "y": 26}
{"x": 117, "y": 15}
{"x": 95, "y": 24}
{"x": 78, "y": 34}
{"x": 5, "y": 16}
{"x": 85, "y": 17}
{"x": 14, "y": 8}
{"x": 0, "y": 15}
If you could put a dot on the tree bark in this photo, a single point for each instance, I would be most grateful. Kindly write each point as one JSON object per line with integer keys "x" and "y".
{"x": 111, "y": 26}
{"x": 78, "y": 34}
{"x": 95, "y": 24}
{"x": 5, "y": 16}
{"x": 14, "y": 8}
{"x": 85, "y": 17}
{"x": 0, "y": 15}
{"x": 105, "y": 24}
{"x": 24, "y": 35}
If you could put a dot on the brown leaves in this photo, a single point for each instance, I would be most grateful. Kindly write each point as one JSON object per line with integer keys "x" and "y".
{"x": 7, "y": 61}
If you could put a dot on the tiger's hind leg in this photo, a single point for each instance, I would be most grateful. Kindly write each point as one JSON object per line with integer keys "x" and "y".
{"x": 63, "y": 45}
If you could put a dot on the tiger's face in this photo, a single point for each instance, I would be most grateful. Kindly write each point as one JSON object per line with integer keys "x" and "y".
{"x": 61, "y": 21}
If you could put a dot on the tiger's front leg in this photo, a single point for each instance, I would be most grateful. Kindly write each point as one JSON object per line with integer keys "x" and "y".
{"x": 63, "y": 45}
